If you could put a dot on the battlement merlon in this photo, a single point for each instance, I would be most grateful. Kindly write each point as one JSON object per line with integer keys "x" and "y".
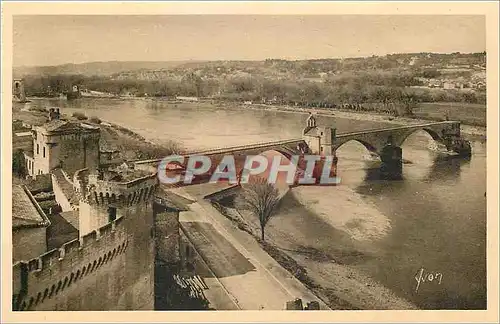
{"x": 132, "y": 186}
{"x": 56, "y": 263}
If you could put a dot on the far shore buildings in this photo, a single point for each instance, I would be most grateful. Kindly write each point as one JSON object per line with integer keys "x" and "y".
{"x": 87, "y": 235}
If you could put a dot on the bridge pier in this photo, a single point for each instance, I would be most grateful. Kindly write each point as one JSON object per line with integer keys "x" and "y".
{"x": 392, "y": 163}
{"x": 459, "y": 145}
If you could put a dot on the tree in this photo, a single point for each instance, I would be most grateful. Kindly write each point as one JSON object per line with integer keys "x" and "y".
{"x": 261, "y": 199}
{"x": 192, "y": 84}
{"x": 431, "y": 73}
{"x": 18, "y": 164}
{"x": 407, "y": 101}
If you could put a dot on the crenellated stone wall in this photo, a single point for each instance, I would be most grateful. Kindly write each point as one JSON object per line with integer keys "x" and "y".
{"x": 110, "y": 266}
{"x": 102, "y": 201}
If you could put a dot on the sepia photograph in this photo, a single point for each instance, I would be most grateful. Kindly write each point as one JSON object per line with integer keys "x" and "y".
{"x": 249, "y": 162}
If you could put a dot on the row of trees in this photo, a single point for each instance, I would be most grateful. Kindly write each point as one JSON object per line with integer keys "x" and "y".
{"x": 382, "y": 87}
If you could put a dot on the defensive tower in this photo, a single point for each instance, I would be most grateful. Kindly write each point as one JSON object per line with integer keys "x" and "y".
{"x": 113, "y": 255}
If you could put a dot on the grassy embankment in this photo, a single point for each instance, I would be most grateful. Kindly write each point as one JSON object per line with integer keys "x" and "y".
{"x": 466, "y": 113}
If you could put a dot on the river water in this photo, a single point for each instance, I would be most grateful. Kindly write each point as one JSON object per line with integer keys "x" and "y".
{"x": 437, "y": 213}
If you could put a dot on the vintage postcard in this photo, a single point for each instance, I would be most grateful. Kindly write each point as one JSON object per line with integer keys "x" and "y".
{"x": 299, "y": 161}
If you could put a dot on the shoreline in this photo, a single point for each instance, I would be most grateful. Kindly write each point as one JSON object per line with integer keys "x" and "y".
{"x": 473, "y": 130}
{"x": 362, "y": 116}
{"x": 326, "y": 269}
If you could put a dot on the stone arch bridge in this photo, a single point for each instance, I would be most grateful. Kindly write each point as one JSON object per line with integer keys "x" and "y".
{"x": 385, "y": 142}
{"x": 376, "y": 139}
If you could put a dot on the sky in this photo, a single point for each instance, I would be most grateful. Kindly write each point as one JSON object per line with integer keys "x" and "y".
{"x": 54, "y": 40}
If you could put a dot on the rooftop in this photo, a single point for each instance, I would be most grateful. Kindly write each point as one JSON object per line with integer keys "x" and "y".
{"x": 64, "y": 126}
{"x": 72, "y": 217}
{"x": 312, "y": 132}
{"x": 66, "y": 187}
{"x": 25, "y": 210}
{"x": 123, "y": 173}
{"x": 21, "y": 134}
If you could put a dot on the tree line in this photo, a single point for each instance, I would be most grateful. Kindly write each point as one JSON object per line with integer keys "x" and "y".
{"x": 390, "y": 91}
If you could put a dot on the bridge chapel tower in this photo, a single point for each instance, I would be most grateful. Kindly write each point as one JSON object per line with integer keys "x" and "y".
{"x": 320, "y": 142}
{"x": 319, "y": 139}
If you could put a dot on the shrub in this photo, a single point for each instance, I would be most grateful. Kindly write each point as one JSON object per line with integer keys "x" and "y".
{"x": 39, "y": 109}
{"x": 94, "y": 120}
{"x": 79, "y": 116}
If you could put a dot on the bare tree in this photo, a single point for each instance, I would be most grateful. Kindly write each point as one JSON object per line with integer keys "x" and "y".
{"x": 261, "y": 199}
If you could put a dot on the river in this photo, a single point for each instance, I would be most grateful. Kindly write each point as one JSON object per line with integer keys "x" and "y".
{"x": 437, "y": 213}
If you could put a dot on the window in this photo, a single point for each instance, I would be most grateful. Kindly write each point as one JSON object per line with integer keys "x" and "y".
{"x": 37, "y": 149}
{"x": 111, "y": 214}
{"x": 44, "y": 151}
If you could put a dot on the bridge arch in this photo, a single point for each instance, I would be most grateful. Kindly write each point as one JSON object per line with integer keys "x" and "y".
{"x": 371, "y": 148}
{"x": 433, "y": 134}
{"x": 283, "y": 152}
{"x": 270, "y": 154}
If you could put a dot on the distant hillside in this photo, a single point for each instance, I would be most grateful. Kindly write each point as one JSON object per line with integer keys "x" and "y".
{"x": 303, "y": 69}
{"x": 97, "y": 68}
{"x": 385, "y": 80}
{"x": 316, "y": 69}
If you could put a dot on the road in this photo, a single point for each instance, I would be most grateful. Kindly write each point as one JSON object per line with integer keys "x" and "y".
{"x": 248, "y": 287}
{"x": 251, "y": 277}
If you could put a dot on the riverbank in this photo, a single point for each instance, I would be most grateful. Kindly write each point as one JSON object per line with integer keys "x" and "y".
{"x": 131, "y": 146}
{"x": 317, "y": 236}
{"x": 472, "y": 130}
{"x": 426, "y": 112}
{"x": 124, "y": 144}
